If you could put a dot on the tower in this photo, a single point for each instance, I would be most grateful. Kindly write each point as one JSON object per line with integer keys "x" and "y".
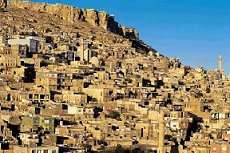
{"x": 220, "y": 63}
{"x": 84, "y": 51}
{"x": 161, "y": 132}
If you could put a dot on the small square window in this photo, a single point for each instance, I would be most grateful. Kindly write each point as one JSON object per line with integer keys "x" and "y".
{"x": 30, "y": 96}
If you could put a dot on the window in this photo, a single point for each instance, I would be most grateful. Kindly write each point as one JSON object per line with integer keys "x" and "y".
{"x": 42, "y": 96}
{"x": 54, "y": 151}
{"x": 36, "y": 96}
{"x": 33, "y": 151}
{"x": 30, "y": 96}
{"x": 46, "y": 151}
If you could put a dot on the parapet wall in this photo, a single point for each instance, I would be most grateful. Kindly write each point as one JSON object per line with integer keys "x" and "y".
{"x": 72, "y": 14}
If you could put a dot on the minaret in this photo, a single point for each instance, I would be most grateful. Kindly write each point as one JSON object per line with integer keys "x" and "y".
{"x": 161, "y": 133}
{"x": 220, "y": 63}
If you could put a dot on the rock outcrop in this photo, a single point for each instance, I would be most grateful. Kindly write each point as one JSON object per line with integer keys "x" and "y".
{"x": 71, "y": 14}
{"x": 130, "y": 33}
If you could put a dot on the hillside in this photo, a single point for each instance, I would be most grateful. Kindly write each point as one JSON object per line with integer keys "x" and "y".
{"x": 74, "y": 79}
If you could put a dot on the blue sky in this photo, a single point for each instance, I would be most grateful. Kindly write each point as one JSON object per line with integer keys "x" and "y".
{"x": 196, "y": 31}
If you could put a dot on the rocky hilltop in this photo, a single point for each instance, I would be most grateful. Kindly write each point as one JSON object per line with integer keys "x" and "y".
{"x": 71, "y": 14}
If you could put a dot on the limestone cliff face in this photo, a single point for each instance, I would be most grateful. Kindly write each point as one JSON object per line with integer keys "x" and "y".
{"x": 71, "y": 14}
{"x": 130, "y": 33}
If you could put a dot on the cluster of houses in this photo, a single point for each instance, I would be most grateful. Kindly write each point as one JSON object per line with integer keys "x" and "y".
{"x": 65, "y": 92}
